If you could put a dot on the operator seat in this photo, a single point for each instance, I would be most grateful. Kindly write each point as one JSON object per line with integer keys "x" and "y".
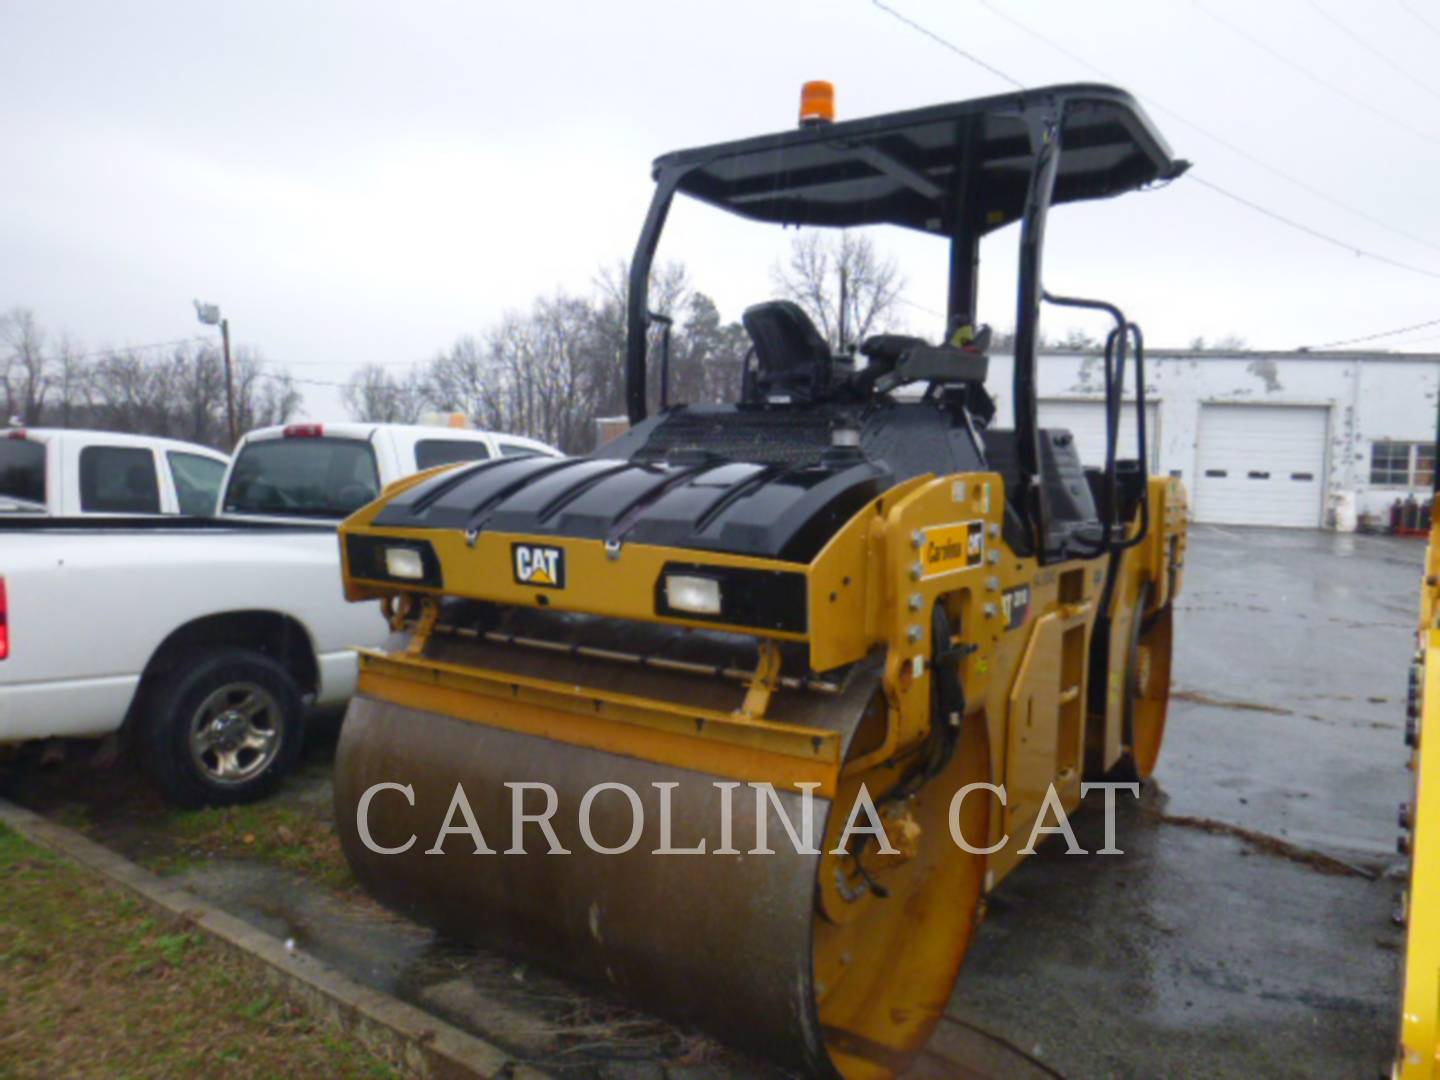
{"x": 1074, "y": 525}
{"x": 792, "y": 359}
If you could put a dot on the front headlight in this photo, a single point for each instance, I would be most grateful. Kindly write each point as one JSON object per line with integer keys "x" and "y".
{"x": 383, "y": 559}
{"x": 404, "y": 562}
{"x": 739, "y": 596}
{"x": 697, "y": 595}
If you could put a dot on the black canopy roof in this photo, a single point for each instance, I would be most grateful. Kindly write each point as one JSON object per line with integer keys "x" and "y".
{"x": 905, "y": 168}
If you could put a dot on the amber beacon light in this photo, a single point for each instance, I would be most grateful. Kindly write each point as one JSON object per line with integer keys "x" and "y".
{"x": 817, "y": 103}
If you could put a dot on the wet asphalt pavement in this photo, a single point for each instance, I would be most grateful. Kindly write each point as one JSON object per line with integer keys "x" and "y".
{"x": 1202, "y": 951}
{"x": 1195, "y": 953}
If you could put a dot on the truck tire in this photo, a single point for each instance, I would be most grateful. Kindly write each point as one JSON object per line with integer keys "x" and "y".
{"x": 222, "y": 727}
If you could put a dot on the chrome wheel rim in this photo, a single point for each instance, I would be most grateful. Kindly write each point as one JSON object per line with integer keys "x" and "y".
{"x": 235, "y": 733}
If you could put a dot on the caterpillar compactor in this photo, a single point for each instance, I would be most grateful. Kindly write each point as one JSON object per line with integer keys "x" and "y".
{"x": 1417, "y": 1055}
{"x": 835, "y": 602}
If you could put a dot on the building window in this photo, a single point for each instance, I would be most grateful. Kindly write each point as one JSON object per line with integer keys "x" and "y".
{"x": 1424, "y": 473}
{"x": 1402, "y": 464}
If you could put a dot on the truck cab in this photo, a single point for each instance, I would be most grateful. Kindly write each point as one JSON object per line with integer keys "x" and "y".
{"x": 71, "y": 473}
{"x": 243, "y": 628}
{"x": 328, "y": 471}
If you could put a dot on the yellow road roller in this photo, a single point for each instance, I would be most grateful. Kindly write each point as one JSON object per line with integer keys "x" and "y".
{"x": 1417, "y": 1055}
{"x": 741, "y": 715}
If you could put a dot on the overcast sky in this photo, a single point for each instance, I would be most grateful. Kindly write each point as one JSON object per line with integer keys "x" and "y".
{"x": 364, "y": 182}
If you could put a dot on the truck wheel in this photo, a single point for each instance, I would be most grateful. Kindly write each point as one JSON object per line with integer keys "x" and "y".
{"x": 222, "y": 728}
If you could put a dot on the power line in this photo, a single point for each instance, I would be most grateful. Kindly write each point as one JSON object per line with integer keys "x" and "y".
{"x": 989, "y": 6}
{"x": 1421, "y": 19}
{"x": 1378, "y": 335}
{"x": 1316, "y": 233}
{"x": 948, "y": 45}
{"x": 1158, "y": 106}
{"x": 368, "y": 363}
{"x": 1319, "y": 80}
{"x": 1414, "y": 341}
{"x": 919, "y": 307}
{"x": 139, "y": 348}
{"x": 1384, "y": 58}
{"x": 1240, "y": 199}
{"x": 283, "y": 375}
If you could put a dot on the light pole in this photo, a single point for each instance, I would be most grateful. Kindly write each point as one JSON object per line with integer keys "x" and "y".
{"x": 210, "y": 315}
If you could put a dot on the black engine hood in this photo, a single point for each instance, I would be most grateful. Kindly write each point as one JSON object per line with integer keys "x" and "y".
{"x": 759, "y": 482}
{"x": 746, "y": 509}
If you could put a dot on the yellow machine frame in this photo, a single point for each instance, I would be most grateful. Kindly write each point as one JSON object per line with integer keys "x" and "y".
{"x": 868, "y": 593}
{"x": 1418, "y": 1055}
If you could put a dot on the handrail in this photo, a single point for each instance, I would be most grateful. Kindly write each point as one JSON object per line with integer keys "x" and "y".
{"x": 1117, "y": 345}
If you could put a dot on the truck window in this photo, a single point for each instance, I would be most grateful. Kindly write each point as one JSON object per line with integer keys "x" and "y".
{"x": 118, "y": 480}
{"x": 22, "y": 470}
{"x": 304, "y": 477}
{"x": 510, "y": 449}
{"x": 432, "y": 452}
{"x": 197, "y": 482}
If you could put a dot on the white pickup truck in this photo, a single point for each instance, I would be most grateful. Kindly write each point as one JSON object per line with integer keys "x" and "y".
{"x": 64, "y": 472}
{"x": 203, "y": 641}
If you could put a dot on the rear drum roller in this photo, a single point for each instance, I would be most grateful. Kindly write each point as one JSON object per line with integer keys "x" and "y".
{"x": 892, "y": 930}
{"x": 1147, "y": 689}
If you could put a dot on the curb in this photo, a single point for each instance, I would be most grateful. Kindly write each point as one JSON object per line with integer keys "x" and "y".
{"x": 422, "y": 1043}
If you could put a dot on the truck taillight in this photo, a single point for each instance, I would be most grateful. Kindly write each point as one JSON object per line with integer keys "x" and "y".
{"x": 4, "y": 623}
{"x": 16, "y": 433}
{"x": 304, "y": 431}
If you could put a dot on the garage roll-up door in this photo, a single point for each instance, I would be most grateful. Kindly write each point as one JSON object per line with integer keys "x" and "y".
{"x": 1086, "y": 421}
{"x": 1261, "y": 465}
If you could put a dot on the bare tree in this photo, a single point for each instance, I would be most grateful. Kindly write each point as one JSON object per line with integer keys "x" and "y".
{"x": 197, "y": 379}
{"x": 182, "y": 395}
{"x": 825, "y": 267}
{"x": 74, "y": 383}
{"x": 543, "y": 360}
{"x": 1075, "y": 340}
{"x": 461, "y": 379}
{"x": 24, "y": 368}
{"x": 132, "y": 394}
{"x": 668, "y": 295}
{"x": 264, "y": 396}
{"x": 1224, "y": 343}
{"x": 376, "y": 395}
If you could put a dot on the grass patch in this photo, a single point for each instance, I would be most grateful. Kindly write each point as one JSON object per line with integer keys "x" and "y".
{"x": 92, "y": 983}
{"x": 281, "y": 835}
{"x": 121, "y": 810}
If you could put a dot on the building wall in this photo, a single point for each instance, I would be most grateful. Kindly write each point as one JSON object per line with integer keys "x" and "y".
{"x": 1370, "y": 397}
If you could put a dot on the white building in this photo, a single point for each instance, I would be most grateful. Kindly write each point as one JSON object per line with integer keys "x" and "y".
{"x": 1261, "y": 438}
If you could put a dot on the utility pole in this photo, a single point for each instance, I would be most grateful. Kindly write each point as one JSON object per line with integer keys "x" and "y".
{"x": 229, "y": 382}
{"x": 209, "y": 314}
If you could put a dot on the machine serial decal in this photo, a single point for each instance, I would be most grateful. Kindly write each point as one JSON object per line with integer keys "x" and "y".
{"x": 953, "y": 547}
{"x": 1015, "y": 603}
{"x": 538, "y": 564}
